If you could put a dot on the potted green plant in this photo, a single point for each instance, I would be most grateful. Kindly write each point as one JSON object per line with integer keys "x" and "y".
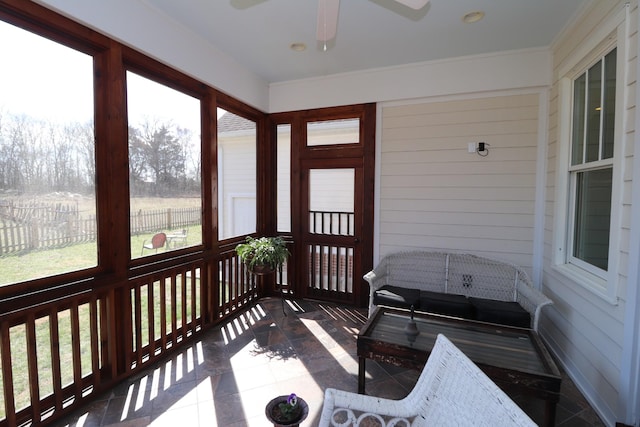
{"x": 287, "y": 411}
{"x": 263, "y": 255}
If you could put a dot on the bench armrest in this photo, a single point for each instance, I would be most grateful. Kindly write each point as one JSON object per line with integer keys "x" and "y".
{"x": 532, "y": 300}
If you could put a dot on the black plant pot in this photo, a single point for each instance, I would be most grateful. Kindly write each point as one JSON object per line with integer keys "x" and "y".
{"x": 272, "y": 412}
{"x": 260, "y": 269}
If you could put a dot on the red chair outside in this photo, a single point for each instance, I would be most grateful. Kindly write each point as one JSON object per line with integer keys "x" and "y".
{"x": 157, "y": 241}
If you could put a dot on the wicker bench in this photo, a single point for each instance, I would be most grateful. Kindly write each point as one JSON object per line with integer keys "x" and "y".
{"x": 456, "y": 284}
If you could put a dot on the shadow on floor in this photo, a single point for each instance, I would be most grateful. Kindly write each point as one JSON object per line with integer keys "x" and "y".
{"x": 227, "y": 377}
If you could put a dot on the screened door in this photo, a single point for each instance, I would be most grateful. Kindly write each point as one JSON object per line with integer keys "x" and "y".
{"x": 332, "y": 232}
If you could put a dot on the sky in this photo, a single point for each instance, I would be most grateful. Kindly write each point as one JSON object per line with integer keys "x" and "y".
{"x": 43, "y": 79}
{"x": 46, "y": 80}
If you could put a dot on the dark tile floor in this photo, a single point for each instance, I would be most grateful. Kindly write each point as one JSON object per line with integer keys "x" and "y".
{"x": 226, "y": 378}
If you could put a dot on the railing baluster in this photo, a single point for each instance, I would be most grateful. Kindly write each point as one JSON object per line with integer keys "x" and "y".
{"x": 137, "y": 326}
{"x": 7, "y": 375}
{"x": 151, "y": 317}
{"x": 93, "y": 327}
{"x": 56, "y": 370}
{"x": 194, "y": 296}
{"x": 174, "y": 312}
{"x": 75, "y": 349}
{"x": 184, "y": 304}
{"x": 32, "y": 359}
{"x": 163, "y": 313}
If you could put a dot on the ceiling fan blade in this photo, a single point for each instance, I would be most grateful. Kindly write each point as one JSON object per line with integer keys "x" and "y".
{"x": 414, "y": 4}
{"x": 327, "y": 19}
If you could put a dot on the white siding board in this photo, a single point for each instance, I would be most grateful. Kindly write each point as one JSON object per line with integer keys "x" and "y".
{"x": 471, "y": 180}
{"x": 515, "y": 195}
{"x": 462, "y": 106}
{"x": 458, "y": 218}
{"x": 453, "y": 156}
{"x": 470, "y": 168}
{"x": 466, "y": 129}
{"x": 482, "y": 206}
{"x": 471, "y": 116}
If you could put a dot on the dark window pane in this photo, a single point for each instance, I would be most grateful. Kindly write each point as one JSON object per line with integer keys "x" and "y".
{"x": 579, "y": 95}
{"x": 594, "y": 108}
{"x": 609, "y": 104}
{"x": 593, "y": 214}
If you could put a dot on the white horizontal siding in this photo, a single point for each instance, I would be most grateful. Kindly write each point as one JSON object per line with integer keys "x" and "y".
{"x": 434, "y": 194}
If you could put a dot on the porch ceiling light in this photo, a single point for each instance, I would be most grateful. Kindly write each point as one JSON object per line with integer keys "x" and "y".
{"x": 472, "y": 17}
{"x": 298, "y": 47}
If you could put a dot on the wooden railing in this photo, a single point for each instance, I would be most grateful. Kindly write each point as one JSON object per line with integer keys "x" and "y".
{"x": 52, "y": 355}
{"x": 330, "y": 266}
{"x": 331, "y": 223}
{"x": 62, "y": 351}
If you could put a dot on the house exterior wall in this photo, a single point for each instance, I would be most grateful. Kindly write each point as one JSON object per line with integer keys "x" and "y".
{"x": 435, "y": 194}
{"x": 584, "y": 328}
{"x": 237, "y": 185}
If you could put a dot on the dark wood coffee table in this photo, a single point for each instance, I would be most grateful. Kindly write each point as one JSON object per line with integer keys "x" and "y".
{"x": 514, "y": 358}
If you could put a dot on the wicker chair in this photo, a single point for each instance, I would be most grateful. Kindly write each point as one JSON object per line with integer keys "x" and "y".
{"x": 451, "y": 391}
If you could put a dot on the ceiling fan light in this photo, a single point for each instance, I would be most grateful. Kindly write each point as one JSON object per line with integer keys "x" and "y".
{"x": 414, "y": 4}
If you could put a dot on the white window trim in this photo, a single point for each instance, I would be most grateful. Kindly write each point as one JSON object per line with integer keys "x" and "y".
{"x": 610, "y": 35}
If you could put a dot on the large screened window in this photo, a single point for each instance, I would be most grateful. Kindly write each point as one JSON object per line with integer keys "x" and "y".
{"x": 47, "y": 158}
{"x": 164, "y": 167}
{"x": 591, "y": 170}
{"x": 236, "y": 175}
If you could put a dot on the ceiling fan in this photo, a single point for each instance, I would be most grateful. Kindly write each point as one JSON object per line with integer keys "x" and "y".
{"x": 327, "y": 25}
{"x": 328, "y": 16}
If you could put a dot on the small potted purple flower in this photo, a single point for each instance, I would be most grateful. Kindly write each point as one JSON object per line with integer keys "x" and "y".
{"x": 287, "y": 411}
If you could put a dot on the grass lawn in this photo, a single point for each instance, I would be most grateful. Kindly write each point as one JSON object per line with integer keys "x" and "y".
{"x": 44, "y": 263}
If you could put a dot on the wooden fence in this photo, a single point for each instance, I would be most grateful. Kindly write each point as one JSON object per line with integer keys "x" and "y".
{"x": 16, "y": 238}
{"x": 40, "y": 227}
{"x": 164, "y": 219}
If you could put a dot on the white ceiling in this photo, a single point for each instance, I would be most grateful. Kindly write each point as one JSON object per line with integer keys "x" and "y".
{"x": 371, "y": 33}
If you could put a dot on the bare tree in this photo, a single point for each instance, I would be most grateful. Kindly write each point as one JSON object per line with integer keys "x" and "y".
{"x": 157, "y": 159}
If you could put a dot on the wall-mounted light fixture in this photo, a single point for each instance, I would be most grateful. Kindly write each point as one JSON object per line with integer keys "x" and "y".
{"x": 481, "y": 148}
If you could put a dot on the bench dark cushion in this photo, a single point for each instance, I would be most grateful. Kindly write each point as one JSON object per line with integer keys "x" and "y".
{"x": 397, "y": 296}
{"x": 502, "y": 312}
{"x": 447, "y": 304}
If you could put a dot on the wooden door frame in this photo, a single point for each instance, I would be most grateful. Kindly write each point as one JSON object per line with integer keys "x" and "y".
{"x": 362, "y": 153}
